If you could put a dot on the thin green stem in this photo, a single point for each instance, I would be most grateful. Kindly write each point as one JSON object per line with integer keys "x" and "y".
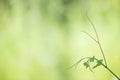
{"x": 102, "y": 53}
{"x": 108, "y": 69}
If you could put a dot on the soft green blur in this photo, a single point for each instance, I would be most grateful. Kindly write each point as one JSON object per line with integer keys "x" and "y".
{"x": 41, "y": 39}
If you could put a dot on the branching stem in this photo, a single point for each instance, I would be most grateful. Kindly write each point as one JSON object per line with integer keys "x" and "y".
{"x": 93, "y": 58}
{"x": 97, "y": 41}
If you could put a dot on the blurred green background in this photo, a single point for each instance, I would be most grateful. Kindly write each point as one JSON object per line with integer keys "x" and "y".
{"x": 40, "y": 39}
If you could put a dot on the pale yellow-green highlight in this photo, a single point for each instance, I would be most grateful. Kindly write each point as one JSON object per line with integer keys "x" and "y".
{"x": 37, "y": 45}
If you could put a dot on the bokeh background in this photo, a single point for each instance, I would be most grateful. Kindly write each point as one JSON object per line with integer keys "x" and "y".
{"x": 40, "y": 39}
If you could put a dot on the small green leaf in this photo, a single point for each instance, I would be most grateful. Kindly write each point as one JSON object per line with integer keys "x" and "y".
{"x": 92, "y": 59}
{"x": 86, "y": 64}
{"x": 99, "y": 62}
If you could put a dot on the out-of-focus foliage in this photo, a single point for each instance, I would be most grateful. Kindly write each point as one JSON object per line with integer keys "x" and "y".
{"x": 40, "y": 39}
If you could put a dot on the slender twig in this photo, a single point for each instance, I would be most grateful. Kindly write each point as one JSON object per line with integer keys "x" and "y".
{"x": 90, "y": 36}
{"x": 99, "y": 44}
